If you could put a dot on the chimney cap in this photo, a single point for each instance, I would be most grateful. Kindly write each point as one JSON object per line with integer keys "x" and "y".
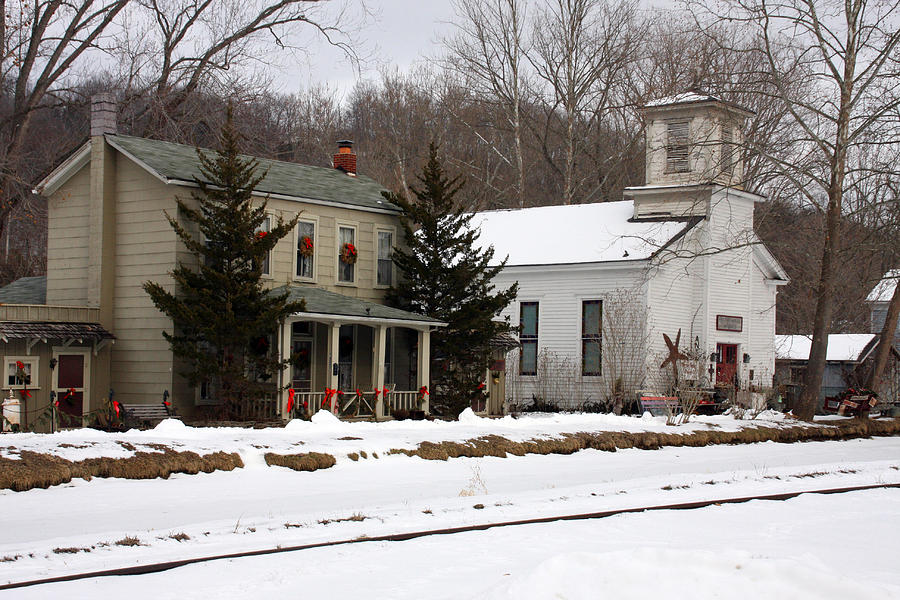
{"x": 345, "y": 143}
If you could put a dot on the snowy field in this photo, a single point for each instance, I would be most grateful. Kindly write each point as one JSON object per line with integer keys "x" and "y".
{"x": 775, "y": 549}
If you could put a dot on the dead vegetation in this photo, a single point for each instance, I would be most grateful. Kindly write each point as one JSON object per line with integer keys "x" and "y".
{"x": 179, "y": 537}
{"x": 129, "y": 541}
{"x": 308, "y": 461}
{"x": 35, "y": 470}
{"x": 610, "y": 441}
{"x": 70, "y": 550}
{"x": 356, "y": 517}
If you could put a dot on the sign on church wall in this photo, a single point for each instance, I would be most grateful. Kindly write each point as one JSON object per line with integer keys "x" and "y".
{"x": 728, "y": 323}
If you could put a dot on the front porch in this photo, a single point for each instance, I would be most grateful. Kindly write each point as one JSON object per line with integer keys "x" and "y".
{"x": 353, "y": 357}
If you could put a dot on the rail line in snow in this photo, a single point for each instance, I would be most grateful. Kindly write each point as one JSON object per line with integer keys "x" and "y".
{"x": 401, "y": 537}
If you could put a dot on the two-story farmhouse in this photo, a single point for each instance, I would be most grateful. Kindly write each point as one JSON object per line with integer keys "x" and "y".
{"x": 599, "y": 284}
{"x": 89, "y": 327}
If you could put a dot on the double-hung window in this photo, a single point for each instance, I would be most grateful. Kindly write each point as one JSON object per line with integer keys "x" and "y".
{"x": 346, "y": 242}
{"x": 528, "y": 336}
{"x": 21, "y": 371}
{"x": 591, "y": 337}
{"x": 262, "y": 231}
{"x": 385, "y": 268}
{"x": 678, "y": 147}
{"x": 306, "y": 249}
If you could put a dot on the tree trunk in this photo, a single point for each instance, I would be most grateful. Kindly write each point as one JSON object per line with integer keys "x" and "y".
{"x": 886, "y": 340}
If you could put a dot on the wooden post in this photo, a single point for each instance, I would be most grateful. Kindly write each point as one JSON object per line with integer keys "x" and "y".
{"x": 423, "y": 370}
{"x": 378, "y": 368}
{"x": 334, "y": 338}
{"x": 286, "y": 375}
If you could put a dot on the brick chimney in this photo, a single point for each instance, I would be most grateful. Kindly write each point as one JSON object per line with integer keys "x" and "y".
{"x": 103, "y": 114}
{"x": 345, "y": 159}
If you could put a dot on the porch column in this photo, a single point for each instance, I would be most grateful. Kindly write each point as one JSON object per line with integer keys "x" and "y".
{"x": 285, "y": 375}
{"x": 378, "y": 367}
{"x": 423, "y": 372}
{"x": 334, "y": 338}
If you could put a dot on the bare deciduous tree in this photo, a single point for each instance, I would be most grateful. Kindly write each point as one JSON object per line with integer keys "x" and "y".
{"x": 488, "y": 52}
{"x": 847, "y": 53}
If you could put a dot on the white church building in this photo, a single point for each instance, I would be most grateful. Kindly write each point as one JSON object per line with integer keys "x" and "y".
{"x": 600, "y": 284}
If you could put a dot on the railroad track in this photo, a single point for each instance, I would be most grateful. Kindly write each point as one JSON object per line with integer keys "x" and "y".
{"x": 400, "y": 537}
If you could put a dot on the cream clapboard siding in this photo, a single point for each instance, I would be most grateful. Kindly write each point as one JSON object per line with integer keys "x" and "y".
{"x": 67, "y": 241}
{"x": 328, "y": 220}
{"x": 560, "y": 290}
{"x": 145, "y": 251}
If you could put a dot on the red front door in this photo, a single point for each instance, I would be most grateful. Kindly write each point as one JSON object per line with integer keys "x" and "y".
{"x": 70, "y": 384}
{"x": 726, "y": 367}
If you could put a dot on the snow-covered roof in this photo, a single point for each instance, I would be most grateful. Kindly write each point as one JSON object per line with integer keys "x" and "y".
{"x": 683, "y": 98}
{"x": 577, "y": 233}
{"x": 883, "y": 291}
{"x": 841, "y": 346}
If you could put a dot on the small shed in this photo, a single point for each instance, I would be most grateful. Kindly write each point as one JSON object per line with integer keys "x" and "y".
{"x": 848, "y": 362}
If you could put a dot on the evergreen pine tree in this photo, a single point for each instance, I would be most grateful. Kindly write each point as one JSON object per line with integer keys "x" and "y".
{"x": 223, "y": 317}
{"x": 447, "y": 276}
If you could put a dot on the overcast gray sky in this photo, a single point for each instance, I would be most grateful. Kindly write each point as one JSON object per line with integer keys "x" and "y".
{"x": 400, "y": 33}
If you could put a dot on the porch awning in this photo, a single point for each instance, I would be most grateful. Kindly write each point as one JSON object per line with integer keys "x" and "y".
{"x": 324, "y": 304}
{"x": 62, "y": 331}
{"x": 50, "y": 330}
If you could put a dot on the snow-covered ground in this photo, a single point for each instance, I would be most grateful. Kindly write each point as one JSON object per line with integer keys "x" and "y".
{"x": 738, "y": 551}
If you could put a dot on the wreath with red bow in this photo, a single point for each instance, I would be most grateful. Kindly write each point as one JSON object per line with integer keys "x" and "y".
{"x": 307, "y": 248}
{"x": 348, "y": 254}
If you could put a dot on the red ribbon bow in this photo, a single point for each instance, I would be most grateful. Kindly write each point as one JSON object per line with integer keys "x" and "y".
{"x": 290, "y": 405}
{"x": 330, "y": 394}
{"x": 358, "y": 393}
{"x": 116, "y": 406}
{"x": 261, "y": 234}
{"x": 481, "y": 385}
{"x": 423, "y": 391}
{"x": 20, "y": 364}
{"x": 376, "y": 394}
{"x": 384, "y": 392}
{"x": 25, "y": 393}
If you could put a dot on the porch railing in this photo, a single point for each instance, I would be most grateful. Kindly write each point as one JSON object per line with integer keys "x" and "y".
{"x": 351, "y": 406}
{"x": 258, "y": 409}
{"x": 403, "y": 400}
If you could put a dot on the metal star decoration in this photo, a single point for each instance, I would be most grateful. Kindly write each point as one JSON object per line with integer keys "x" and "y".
{"x": 674, "y": 354}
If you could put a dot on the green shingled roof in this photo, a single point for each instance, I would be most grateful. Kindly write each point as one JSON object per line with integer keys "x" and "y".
{"x": 180, "y": 163}
{"x": 26, "y": 290}
{"x": 319, "y": 301}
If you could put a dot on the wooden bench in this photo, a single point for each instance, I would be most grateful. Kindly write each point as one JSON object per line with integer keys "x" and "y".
{"x": 145, "y": 415}
{"x": 850, "y": 405}
{"x": 659, "y": 406}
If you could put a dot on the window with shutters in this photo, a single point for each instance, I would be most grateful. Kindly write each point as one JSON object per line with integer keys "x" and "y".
{"x": 528, "y": 336}
{"x": 678, "y": 147}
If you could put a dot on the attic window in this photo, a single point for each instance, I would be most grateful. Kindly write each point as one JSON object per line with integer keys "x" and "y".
{"x": 677, "y": 148}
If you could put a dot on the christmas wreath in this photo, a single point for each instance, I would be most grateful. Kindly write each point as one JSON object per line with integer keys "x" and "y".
{"x": 348, "y": 254}
{"x": 307, "y": 248}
